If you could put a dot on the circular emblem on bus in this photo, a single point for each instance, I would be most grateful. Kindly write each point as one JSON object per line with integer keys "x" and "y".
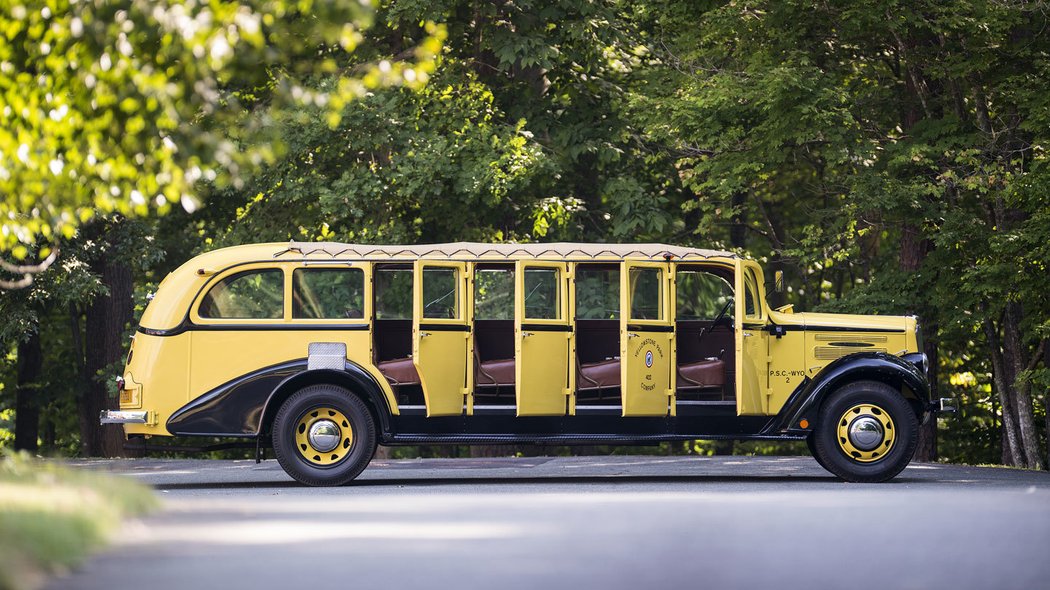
{"x": 648, "y": 359}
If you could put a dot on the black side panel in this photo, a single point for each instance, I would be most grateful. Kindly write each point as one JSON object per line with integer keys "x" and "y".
{"x": 234, "y": 408}
{"x": 805, "y": 401}
{"x": 416, "y": 428}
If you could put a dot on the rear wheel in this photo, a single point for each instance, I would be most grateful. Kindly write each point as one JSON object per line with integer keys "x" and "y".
{"x": 867, "y": 432}
{"x": 323, "y": 436}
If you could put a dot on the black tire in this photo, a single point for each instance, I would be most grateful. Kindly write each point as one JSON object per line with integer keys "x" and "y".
{"x": 298, "y": 407}
{"x": 813, "y": 449}
{"x": 834, "y": 457}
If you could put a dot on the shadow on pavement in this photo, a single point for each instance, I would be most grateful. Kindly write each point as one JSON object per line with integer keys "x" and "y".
{"x": 514, "y": 481}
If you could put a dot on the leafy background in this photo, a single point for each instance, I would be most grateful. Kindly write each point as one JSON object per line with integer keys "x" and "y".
{"x": 889, "y": 156}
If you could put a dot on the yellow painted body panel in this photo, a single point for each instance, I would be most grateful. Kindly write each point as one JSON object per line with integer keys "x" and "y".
{"x": 646, "y": 347}
{"x": 219, "y": 356}
{"x": 159, "y": 368}
{"x": 441, "y": 354}
{"x": 787, "y": 367}
{"x": 805, "y": 350}
{"x": 542, "y": 367}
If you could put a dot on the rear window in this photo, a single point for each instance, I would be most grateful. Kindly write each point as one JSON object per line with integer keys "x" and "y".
{"x": 252, "y": 294}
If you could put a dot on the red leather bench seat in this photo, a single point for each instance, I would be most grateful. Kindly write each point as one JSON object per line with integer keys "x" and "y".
{"x": 496, "y": 372}
{"x": 399, "y": 371}
{"x": 705, "y": 373}
{"x": 600, "y": 374}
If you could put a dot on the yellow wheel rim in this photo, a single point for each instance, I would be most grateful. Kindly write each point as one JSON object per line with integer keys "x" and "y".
{"x": 866, "y": 433}
{"x": 323, "y": 436}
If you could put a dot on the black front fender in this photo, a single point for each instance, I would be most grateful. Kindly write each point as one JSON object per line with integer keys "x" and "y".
{"x": 805, "y": 401}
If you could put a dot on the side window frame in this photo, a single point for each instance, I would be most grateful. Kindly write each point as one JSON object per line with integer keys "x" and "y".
{"x": 196, "y": 318}
{"x": 693, "y": 268}
{"x": 753, "y": 282}
{"x": 665, "y": 300}
{"x": 561, "y": 304}
{"x": 366, "y": 309}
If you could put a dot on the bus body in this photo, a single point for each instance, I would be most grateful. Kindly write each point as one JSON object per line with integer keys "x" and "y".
{"x": 325, "y": 350}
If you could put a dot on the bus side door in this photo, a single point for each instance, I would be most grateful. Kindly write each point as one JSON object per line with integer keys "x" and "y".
{"x": 646, "y": 338}
{"x": 542, "y": 338}
{"x": 441, "y": 334}
{"x": 752, "y": 343}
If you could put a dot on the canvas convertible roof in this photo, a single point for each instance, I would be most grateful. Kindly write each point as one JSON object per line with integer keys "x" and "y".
{"x": 455, "y": 250}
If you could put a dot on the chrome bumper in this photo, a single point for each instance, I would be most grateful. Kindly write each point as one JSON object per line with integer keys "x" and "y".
{"x": 122, "y": 417}
{"x": 944, "y": 405}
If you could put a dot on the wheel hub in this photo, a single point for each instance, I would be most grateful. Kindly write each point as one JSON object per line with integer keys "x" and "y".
{"x": 866, "y": 433}
{"x": 324, "y": 435}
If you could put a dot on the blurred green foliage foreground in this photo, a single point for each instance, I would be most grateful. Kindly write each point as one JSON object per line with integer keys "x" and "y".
{"x": 51, "y": 517}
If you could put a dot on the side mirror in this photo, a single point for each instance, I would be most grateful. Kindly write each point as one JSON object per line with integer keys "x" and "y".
{"x": 778, "y": 281}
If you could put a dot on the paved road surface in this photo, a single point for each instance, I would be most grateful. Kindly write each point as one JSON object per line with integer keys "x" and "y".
{"x": 639, "y": 523}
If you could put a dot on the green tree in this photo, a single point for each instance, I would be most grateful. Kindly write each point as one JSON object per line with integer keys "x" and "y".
{"x": 891, "y": 146}
{"x": 128, "y": 106}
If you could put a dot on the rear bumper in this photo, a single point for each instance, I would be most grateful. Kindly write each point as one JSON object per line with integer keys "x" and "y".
{"x": 123, "y": 417}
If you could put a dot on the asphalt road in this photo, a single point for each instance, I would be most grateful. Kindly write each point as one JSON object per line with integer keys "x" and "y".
{"x": 636, "y": 523}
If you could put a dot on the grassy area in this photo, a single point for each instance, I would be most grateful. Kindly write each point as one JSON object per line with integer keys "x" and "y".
{"x": 51, "y": 516}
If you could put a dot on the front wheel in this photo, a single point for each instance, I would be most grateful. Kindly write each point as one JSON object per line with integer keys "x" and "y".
{"x": 867, "y": 432}
{"x": 323, "y": 436}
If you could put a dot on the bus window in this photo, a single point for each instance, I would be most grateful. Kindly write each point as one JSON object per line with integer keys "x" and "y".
{"x": 393, "y": 293}
{"x": 541, "y": 294}
{"x": 700, "y": 295}
{"x": 252, "y": 294}
{"x": 646, "y": 294}
{"x": 494, "y": 294}
{"x": 440, "y": 297}
{"x": 328, "y": 293}
{"x": 750, "y": 295}
{"x": 597, "y": 293}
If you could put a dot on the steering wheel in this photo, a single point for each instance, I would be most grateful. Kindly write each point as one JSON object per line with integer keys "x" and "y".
{"x": 722, "y": 314}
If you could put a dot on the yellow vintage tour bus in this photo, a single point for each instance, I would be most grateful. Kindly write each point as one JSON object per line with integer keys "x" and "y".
{"x": 325, "y": 350}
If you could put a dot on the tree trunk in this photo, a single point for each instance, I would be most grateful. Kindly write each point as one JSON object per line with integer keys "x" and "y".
{"x": 927, "y": 446}
{"x": 1013, "y": 454}
{"x": 914, "y": 248}
{"x": 27, "y": 401}
{"x": 1046, "y": 403}
{"x": 738, "y": 223}
{"x": 1013, "y": 359}
{"x": 107, "y": 318}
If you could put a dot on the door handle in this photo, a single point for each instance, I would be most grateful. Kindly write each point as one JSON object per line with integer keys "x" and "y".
{"x": 424, "y": 334}
{"x": 632, "y": 335}
{"x": 748, "y": 334}
{"x": 526, "y": 334}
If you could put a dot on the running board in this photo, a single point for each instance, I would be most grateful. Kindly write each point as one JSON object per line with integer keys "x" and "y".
{"x": 568, "y": 439}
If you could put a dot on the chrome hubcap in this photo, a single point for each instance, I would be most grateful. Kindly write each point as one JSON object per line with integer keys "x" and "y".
{"x": 865, "y": 433}
{"x": 324, "y": 435}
